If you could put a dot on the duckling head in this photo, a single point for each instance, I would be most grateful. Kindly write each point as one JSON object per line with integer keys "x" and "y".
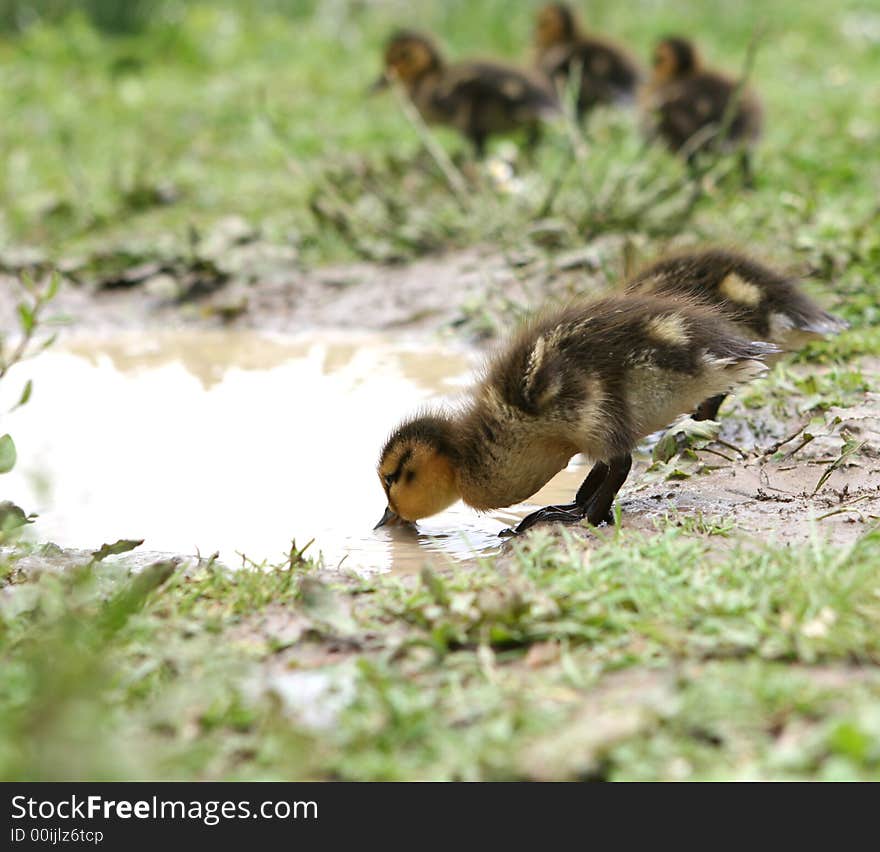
{"x": 554, "y": 24}
{"x": 408, "y": 58}
{"x": 674, "y": 58}
{"x": 418, "y": 470}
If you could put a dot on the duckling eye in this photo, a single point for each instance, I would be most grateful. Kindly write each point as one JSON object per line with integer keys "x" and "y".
{"x": 388, "y": 479}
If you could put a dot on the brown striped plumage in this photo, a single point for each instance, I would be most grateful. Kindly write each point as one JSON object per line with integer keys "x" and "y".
{"x": 762, "y": 303}
{"x": 607, "y": 73}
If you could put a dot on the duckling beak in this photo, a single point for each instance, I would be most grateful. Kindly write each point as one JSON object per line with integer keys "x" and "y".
{"x": 389, "y": 517}
{"x": 379, "y": 84}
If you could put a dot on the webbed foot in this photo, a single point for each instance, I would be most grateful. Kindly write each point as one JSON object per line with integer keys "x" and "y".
{"x": 570, "y": 513}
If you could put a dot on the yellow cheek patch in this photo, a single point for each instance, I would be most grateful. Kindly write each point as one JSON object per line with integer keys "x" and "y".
{"x": 740, "y": 291}
{"x": 669, "y": 329}
{"x": 432, "y": 490}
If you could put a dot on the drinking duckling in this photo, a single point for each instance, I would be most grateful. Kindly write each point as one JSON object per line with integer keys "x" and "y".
{"x": 477, "y": 98}
{"x": 608, "y": 74}
{"x": 686, "y": 104}
{"x": 762, "y": 303}
{"x": 592, "y": 378}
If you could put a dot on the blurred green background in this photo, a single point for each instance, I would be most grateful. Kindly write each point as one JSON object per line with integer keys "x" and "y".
{"x": 154, "y": 114}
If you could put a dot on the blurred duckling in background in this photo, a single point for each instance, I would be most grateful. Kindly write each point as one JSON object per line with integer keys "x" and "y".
{"x": 608, "y": 74}
{"x": 685, "y": 105}
{"x": 762, "y": 303}
{"x": 479, "y": 99}
{"x": 593, "y": 378}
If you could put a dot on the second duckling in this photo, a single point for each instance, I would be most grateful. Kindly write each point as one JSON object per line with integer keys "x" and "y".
{"x": 685, "y": 104}
{"x": 479, "y": 99}
{"x": 593, "y": 378}
{"x": 763, "y": 303}
{"x": 608, "y": 74}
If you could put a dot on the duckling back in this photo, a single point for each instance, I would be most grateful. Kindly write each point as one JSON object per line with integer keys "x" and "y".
{"x": 763, "y": 303}
{"x": 482, "y": 98}
{"x": 607, "y": 74}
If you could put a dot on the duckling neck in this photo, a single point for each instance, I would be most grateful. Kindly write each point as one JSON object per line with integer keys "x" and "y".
{"x": 424, "y": 85}
{"x": 504, "y": 457}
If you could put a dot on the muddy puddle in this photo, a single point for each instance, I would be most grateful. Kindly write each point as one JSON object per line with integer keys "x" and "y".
{"x": 236, "y": 442}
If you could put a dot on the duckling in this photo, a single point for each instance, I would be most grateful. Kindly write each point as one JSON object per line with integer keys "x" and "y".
{"x": 477, "y": 98}
{"x": 762, "y": 303}
{"x": 683, "y": 99}
{"x": 608, "y": 74}
{"x": 592, "y": 378}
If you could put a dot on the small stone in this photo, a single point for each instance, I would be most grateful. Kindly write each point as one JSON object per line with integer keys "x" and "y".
{"x": 162, "y": 286}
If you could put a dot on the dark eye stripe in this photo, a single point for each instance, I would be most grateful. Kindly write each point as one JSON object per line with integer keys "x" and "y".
{"x": 391, "y": 478}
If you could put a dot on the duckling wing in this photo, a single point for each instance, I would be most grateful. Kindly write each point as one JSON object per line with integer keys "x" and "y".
{"x": 492, "y": 97}
{"x": 681, "y": 354}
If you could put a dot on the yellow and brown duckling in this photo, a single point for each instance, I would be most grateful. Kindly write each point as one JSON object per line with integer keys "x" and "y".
{"x": 479, "y": 99}
{"x": 608, "y": 74}
{"x": 685, "y": 104}
{"x": 593, "y": 378}
{"x": 762, "y": 303}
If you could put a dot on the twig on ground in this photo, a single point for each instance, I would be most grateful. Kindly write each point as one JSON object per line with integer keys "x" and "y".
{"x": 808, "y": 437}
{"x": 850, "y": 448}
{"x": 779, "y": 444}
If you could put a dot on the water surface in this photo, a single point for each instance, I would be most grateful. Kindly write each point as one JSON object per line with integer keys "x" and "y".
{"x": 236, "y": 442}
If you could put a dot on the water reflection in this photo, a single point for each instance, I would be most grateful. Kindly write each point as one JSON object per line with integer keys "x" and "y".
{"x": 237, "y": 442}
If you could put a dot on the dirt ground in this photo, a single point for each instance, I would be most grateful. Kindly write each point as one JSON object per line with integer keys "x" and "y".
{"x": 767, "y": 499}
{"x": 427, "y": 293}
{"x": 262, "y": 286}
{"x": 768, "y": 496}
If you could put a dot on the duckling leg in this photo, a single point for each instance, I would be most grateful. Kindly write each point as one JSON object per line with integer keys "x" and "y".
{"x": 591, "y": 484}
{"x": 478, "y": 140}
{"x": 708, "y": 408}
{"x": 748, "y": 174}
{"x": 599, "y": 509}
{"x": 569, "y": 513}
{"x": 534, "y": 133}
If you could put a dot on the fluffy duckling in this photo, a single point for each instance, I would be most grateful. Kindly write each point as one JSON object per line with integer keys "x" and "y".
{"x": 477, "y": 98}
{"x": 683, "y": 101}
{"x": 608, "y": 74}
{"x": 593, "y": 378}
{"x": 762, "y": 303}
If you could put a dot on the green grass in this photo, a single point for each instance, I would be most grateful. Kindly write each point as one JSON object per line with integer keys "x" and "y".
{"x": 217, "y": 108}
{"x": 756, "y": 661}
